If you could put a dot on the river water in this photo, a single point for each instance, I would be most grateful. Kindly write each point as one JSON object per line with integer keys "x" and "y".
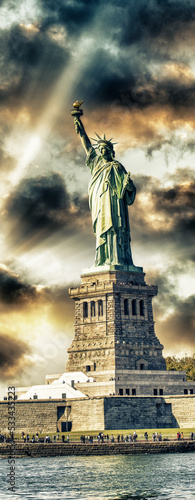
{"x": 141, "y": 477}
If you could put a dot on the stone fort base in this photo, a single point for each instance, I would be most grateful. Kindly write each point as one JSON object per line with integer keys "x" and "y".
{"x": 101, "y": 413}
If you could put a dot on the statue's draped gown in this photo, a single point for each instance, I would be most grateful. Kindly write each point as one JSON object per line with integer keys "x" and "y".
{"x": 108, "y": 201}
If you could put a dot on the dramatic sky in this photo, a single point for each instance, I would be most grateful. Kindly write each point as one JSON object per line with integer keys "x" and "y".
{"x": 133, "y": 64}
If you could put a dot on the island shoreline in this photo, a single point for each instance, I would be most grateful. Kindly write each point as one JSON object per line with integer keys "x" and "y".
{"x": 34, "y": 450}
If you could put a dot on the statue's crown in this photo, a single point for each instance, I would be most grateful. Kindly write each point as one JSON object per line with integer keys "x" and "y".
{"x": 103, "y": 141}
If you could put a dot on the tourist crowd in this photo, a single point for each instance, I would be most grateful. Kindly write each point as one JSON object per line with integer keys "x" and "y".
{"x": 100, "y": 438}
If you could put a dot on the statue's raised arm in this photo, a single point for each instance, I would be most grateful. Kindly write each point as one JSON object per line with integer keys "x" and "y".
{"x": 83, "y": 135}
{"x": 111, "y": 190}
{"x": 77, "y": 113}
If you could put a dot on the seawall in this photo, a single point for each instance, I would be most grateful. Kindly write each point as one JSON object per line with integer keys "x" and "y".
{"x": 76, "y": 449}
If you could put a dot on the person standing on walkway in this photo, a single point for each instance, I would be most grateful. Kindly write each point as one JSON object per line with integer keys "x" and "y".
{"x": 134, "y": 436}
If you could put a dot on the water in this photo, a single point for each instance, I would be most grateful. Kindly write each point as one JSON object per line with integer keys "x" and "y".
{"x": 141, "y": 477}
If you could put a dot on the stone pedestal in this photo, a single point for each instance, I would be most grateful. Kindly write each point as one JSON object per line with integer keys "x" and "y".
{"x": 114, "y": 326}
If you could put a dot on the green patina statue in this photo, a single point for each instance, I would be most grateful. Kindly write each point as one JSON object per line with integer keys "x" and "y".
{"x": 111, "y": 190}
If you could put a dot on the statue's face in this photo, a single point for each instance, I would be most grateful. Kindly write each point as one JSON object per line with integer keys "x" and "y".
{"x": 105, "y": 152}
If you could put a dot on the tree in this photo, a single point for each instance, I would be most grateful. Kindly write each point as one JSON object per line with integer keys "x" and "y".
{"x": 186, "y": 364}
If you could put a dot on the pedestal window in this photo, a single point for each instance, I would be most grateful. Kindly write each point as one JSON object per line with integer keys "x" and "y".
{"x": 92, "y": 309}
{"x": 141, "y": 307}
{"x": 134, "y": 307}
{"x": 126, "y": 307}
{"x": 85, "y": 310}
{"x": 100, "y": 307}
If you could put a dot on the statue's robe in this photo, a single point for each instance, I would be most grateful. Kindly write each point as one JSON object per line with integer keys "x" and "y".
{"x": 108, "y": 200}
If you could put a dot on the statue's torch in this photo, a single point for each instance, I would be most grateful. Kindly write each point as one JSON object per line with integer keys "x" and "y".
{"x": 77, "y": 113}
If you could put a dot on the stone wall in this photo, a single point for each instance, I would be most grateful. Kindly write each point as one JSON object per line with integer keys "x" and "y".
{"x": 88, "y": 414}
{"x": 137, "y": 413}
{"x": 149, "y": 412}
{"x": 32, "y": 416}
{"x": 98, "y": 413}
{"x": 47, "y": 416}
{"x": 183, "y": 409}
{"x": 59, "y": 449}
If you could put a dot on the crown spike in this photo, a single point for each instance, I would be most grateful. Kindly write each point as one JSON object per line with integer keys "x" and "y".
{"x": 98, "y": 136}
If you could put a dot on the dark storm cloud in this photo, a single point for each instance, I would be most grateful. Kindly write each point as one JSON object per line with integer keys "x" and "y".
{"x": 31, "y": 63}
{"x": 179, "y": 326}
{"x": 126, "y": 82}
{"x": 173, "y": 214}
{"x": 75, "y": 15}
{"x": 13, "y": 290}
{"x": 17, "y": 293}
{"x": 38, "y": 203}
{"x": 11, "y": 355}
{"x": 106, "y": 80}
{"x": 131, "y": 20}
{"x": 173, "y": 200}
{"x": 125, "y": 78}
{"x": 178, "y": 205}
{"x": 177, "y": 330}
{"x": 42, "y": 206}
{"x": 175, "y": 316}
{"x": 156, "y": 18}
{"x": 138, "y": 33}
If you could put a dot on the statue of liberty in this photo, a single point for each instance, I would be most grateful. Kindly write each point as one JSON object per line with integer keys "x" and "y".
{"x": 111, "y": 190}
